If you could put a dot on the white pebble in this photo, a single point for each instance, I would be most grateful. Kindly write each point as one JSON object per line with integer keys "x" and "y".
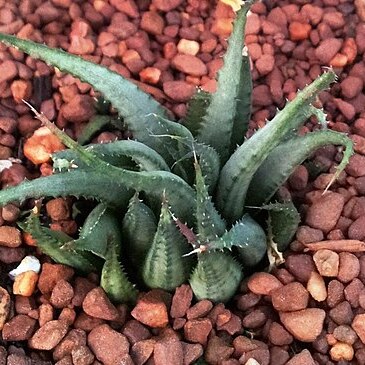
{"x": 29, "y": 263}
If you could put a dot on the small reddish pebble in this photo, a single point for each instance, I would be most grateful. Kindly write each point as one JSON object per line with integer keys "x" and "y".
{"x": 299, "y": 31}
{"x": 358, "y": 324}
{"x": 150, "y": 75}
{"x": 19, "y": 328}
{"x": 151, "y": 310}
{"x": 51, "y": 274}
{"x": 39, "y": 147}
{"x": 189, "y": 64}
{"x": 180, "y": 91}
{"x": 325, "y": 211}
{"x": 263, "y": 283}
{"x": 10, "y": 236}
{"x": 152, "y": 22}
{"x": 290, "y": 297}
{"x": 305, "y": 325}
{"x": 49, "y": 335}
{"x": 108, "y": 345}
{"x": 222, "y": 27}
{"x": 98, "y": 305}
{"x": 21, "y": 90}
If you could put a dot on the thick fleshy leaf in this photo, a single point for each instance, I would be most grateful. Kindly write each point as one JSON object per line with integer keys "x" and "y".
{"x": 238, "y": 171}
{"x": 51, "y": 243}
{"x": 87, "y": 184}
{"x": 209, "y": 163}
{"x": 165, "y": 267}
{"x": 243, "y": 107}
{"x": 284, "y": 220}
{"x": 197, "y": 107}
{"x": 247, "y": 236}
{"x": 283, "y": 160}
{"x": 113, "y": 278}
{"x": 100, "y": 226}
{"x": 228, "y": 105}
{"x": 209, "y": 224}
{"x": 138, "y": 228}
{"x": 118, "y": 153}
{"x": 216, "y": 277}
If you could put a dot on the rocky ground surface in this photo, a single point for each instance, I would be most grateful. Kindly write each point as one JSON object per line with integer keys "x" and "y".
{"x": 311, "y": 310}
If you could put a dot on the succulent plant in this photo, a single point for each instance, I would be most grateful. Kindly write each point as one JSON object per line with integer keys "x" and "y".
{"x": 174, "y": 200}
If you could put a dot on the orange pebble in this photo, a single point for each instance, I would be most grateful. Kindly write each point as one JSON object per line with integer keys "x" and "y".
{"x": 349, "y": 49}
{"x": 21, "y": 90}
{"x": 39, "y": 147}
{"x": 150, "y": 75}
{"x": 342, "y": 352}
{"x": 25, "y": 283}
{"x": 331, "y": 339}
{"x": 222, "y": 27}
{"x": 169, "y": 50}
{"x": 299, "y": 31}
{"x": 122, "y": 48}
{"x": 130, "y": 55}
{"x": 340, "y": 60}
{"x": 29, "y": 240}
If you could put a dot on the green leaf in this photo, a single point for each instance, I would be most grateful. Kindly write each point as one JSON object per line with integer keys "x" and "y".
{"x": 238, "y": 171}
{"x": 165, "y": 267}
{"x": 51, "y": 243}
{"x": 156, "y": 184}
{"x": 209, "y": 224}
{"x": 87, "y": 184}
{"x": 216, "y": 127}
{"x": 108, "y": 184}
{"x": 284, "y": 221}
{"x": 209, "y": 163}
{"x": 100, "y": 225}
{"x": 138, "y": 229}
{"x": 159, "y": 184}
{"x": 175, "y": 140}
{"x": 197, "y": 107}
{"x": 247, "y": 236}
{"x": 113, "y": 278}
{"x": 216, "y": 277}
{"x": 274, "y": 171}
{"x": 244, "y": 102}
{"x": 118, "y": 153}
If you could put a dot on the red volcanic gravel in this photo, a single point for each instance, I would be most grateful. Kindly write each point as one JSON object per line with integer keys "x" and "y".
{"x": 308, "y": 311}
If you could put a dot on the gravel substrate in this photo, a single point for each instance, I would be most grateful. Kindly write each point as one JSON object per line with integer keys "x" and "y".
{"x": 310, "y": 310}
